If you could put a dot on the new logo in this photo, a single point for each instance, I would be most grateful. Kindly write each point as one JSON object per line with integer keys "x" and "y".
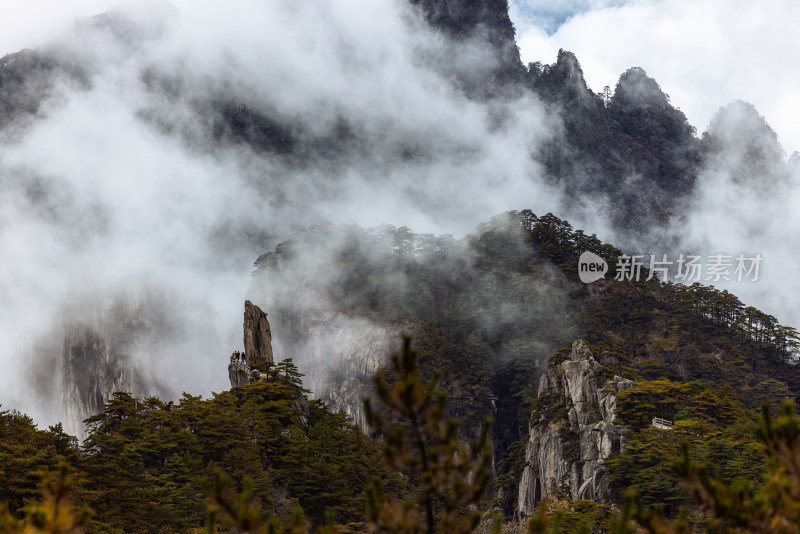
{"x": 591, "y": 267}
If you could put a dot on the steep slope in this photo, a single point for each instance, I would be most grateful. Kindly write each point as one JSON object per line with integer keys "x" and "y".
{"x": 105, "y": 345}
{"x": 632, "y": 156}
{"x": 629, "y": 154}
{"x": 488, "y": 23}
{"x": 487, "y": 313}
{"x": 571, "y": 453}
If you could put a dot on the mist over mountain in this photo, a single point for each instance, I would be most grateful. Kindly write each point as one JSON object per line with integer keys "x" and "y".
{"x": 150, "y": 154}
{"x": 341, "y": 296}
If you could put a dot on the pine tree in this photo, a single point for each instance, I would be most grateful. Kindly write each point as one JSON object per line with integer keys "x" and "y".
{"x": 452, "y": 478}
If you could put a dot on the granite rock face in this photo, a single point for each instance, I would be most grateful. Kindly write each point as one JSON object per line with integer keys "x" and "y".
{"x": 337, "y": 353}
{"x": 258, "y": 342}
{"x": 257, "y": 334}
{"x": 98, "y": 344}
{"x": 573, "y": 437}
{"x": 240, "y": 374}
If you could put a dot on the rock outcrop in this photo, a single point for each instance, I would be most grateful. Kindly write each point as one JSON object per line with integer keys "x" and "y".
{"x": 258, "y": 342}
{"x": 338, "y": 353}
{"x": 572, "y": 432}
{"x": 127, "y": 340}
{"x": 257, "y": 334}
{"x": 490, "y": 19}
{"x": 240, "y": 374}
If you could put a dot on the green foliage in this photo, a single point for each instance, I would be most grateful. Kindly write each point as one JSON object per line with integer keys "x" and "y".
{"x": 243, "y": 512}
{"x": 560, "y": 514}
{"x": 737, "y": 507}
{"x": 452, "y": 478}
{"x": 146, "y": 464}
{"x": 724, "y": 506}
{"x": 509, "y": 473}
{"x": 449, "y": 479}
{"x": 684, "y": 333}
{"x": 486, "y": 312}
{"x": 656, "y": 398}
{"x": 330, "y": 465}
{"x": 26, "y": 455}
{"x": 720, "y": 431}
{"x": 55, "y": 514}
{"x": 289, "y": 372}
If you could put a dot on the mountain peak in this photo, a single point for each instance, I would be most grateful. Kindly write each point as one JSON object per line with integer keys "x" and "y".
{"x": 486, "y": 19}
{"x": 636, "y": 89}
{"x": 562, "y": 81}
{"x": 740, "y": 140}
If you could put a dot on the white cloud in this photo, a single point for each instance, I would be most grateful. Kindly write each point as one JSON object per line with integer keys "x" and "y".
{"x": 130, "y": 200}
{"x": 703, "y": 53}
{"x": 127, "y": 201}
{"x": 31, "y": 23}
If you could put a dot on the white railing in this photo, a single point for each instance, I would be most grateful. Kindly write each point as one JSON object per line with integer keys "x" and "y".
{"x": 662, "y": 423}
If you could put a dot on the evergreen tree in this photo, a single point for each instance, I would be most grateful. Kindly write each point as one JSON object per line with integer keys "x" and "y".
{"x": 452, "y": 478}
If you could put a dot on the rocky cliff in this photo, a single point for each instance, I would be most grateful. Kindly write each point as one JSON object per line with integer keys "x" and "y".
{"x": 104, "y": 344}
{"x": 258, "y": 342}
{"x": 257, "y": 337}
{"x": 487, "y": 22}
{"x": 240, "y": 374}
{"x": 572, "y": 430}
{"x": 337, "y": 355}
{"x": 257, "y": 334}
{"x": 337, "y": 352}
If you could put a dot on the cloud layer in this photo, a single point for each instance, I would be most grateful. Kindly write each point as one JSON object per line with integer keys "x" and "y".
{"x": 703, "y": 53}
{"x": 118, "y": 182}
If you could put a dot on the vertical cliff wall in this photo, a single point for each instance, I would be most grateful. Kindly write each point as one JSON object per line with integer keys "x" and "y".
{"x": 257, "y": 334}
{"x": 105, "y": 344}
{"x": 338, "y": 353}
{"x": 257, "y": 343}
{"x": 572, "y": 431}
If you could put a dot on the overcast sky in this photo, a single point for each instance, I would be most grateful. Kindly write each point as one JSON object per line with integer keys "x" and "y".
{"x": 703, "y": 53}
